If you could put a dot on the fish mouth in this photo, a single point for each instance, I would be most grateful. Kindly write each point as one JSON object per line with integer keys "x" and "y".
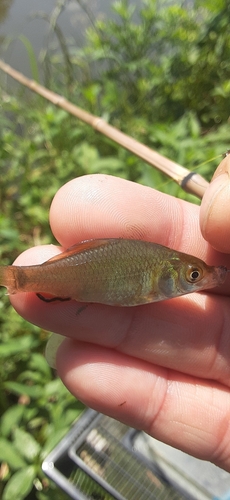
{"x": 221, "y": 274}
{"x": 216, "y": 278}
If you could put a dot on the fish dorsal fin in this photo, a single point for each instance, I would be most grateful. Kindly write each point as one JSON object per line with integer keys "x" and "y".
{"x": 78, "y": 248}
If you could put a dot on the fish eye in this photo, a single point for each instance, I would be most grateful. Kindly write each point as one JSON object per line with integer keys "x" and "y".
{"x": 194, "y": 274}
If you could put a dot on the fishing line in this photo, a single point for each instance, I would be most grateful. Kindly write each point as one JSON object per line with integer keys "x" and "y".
{"x": 194, "y": 170}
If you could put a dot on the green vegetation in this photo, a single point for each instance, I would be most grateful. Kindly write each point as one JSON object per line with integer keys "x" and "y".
{"x": 162, "y": 76}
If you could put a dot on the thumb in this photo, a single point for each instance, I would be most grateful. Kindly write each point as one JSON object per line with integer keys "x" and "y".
{"x": 215, "y": 209}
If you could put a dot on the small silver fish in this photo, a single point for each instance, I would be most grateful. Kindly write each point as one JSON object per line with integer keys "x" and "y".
{"x": 117, "y": 272}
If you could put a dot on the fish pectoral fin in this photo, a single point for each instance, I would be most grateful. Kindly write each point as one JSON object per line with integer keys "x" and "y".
{"x": 167, "y": 283}
{"x": 50, "y": 298}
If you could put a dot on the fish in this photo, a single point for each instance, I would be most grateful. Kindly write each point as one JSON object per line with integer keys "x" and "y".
{"x": 115, "y": 272}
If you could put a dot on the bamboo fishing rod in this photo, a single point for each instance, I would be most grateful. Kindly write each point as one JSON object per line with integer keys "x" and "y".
{"x": 190, "y": 181}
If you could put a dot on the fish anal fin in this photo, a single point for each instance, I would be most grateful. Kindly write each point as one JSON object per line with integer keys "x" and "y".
{"x": 50, "y": 298}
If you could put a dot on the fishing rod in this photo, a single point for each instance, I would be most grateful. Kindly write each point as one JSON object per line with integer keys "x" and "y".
{"x": 189, "y": 181}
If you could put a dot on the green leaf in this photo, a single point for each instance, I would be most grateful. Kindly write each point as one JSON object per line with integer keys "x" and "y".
{"x": 10, "y": 455}
{"x": 32, "y": 391}
{"x": 32, "y": 377}
{"x": 53, "y": 440}
{"x": 16, "y": 345}
{"x": 55, "y": 388}
{"x": 20, "y": 484}
{"x": 26, "y": 444}
{"x": 39, "y": 363}
{"x": 11, "y": 418}
{"x": 31, "y": 55}
{"x": 108, "y": 165}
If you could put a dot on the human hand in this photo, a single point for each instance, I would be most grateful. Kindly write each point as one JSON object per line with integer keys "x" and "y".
{"x": 161, "y": 367}
{"x": 215, "y": 209}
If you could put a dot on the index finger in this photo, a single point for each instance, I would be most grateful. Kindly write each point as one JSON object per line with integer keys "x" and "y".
{"x": 98, "y": 206}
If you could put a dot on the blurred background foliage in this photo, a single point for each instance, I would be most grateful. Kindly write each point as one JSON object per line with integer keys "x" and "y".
{"x": 162, "y": 75}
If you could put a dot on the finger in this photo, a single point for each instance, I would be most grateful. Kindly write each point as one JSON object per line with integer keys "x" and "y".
{"x": 189, "y": 334}
{"x": 98, "y": 206}
{"x": 186, "y": 413}
{"x": 215, "y": 209}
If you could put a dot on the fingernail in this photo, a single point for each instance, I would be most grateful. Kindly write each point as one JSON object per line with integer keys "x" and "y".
{"x": 52, "y": 346}
{"x": 215, "y": 213}
{"x": 213, "y": 192}
{"x": 223, "y": 168}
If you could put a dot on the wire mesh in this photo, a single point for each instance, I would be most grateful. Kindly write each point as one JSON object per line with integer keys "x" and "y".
{"x": 102, "y": 454}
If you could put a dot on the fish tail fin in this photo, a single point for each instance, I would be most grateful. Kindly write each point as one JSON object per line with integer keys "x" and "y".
{"x": 7, "y": 278}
